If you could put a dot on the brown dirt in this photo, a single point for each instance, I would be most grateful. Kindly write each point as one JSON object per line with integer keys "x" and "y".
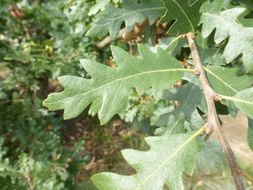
{"x": 235, "y": 130}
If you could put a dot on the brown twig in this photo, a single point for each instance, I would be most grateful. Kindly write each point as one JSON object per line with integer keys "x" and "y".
{"x": 29, "y": 180}
{"x": 11, "y": 101}
{"x": 109, "y": 39}
{"x": 124, "y": 35}
{"x": 213, "y": 122}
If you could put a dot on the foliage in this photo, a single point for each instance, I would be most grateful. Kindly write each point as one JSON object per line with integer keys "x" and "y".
{"x": 185, "y": 14}
{"x": 213, "y": 18}
{"x": 155, "y": 83}
{"x": 131, "y": 14}
{"x": 167, "y": 167}
{"x": 100, "y": 5}
{"x": 165, "y": 73}
{"x": 38, "y": 42}
{"x": 124, "y": 77}
{"x": 39, "y": 170}
{"x": 188, "y": 96}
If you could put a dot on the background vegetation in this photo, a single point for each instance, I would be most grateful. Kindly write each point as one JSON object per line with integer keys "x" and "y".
{"x": 41, "y": 40}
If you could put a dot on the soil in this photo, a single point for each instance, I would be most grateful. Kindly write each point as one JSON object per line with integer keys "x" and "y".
{"x": 235, "y": 129}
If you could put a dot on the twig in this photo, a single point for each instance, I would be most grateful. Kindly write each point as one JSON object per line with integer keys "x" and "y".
{"x": 29, "y": 180}
{"x": 109, "y": 39}
{"x": 213, "y": 122}
{"x": 11, "y": 101}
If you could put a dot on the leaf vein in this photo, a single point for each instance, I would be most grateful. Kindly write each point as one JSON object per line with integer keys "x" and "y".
{"x": 197, "y": 133}
{"x": 126, "y": 78}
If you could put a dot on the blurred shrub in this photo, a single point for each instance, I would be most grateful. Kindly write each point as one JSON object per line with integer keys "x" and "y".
{"x": 39, "y": 40}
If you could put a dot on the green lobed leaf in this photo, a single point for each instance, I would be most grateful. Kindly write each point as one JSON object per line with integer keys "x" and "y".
{"x": 108, "y": 89}
{"x": 100, "y": 5}
{"x": 112, "y": 18}
{"x": 192, "y": 78}
{"x": 180, "y": 126}
{"x": 185, "y": 13}
{"x": 226, "y": 23}
{"x": 189, "y": 97}
{"x": 250, "y": 133}
{"x": 164, "y": 163}
{"x": 244, "y": 101}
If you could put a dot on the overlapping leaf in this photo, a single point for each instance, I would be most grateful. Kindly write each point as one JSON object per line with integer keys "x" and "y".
{"x": 209, "y": 54}
{"x": 244, "y": 101}
{"x": 171, "y": 44}
{"x": 224, "y": 81}
{"x": 100, "y": 5}
{"x": 188, "y": 97}
{"x": 186, "y": 14}
{"x": 108, "y": 89}
{"x": 227, "y": 25}
{"x": 180, "y": 126}
{"x": 112, "y": 18}
{"x": 164, "y": 163}
{"x": 228, "y": 82}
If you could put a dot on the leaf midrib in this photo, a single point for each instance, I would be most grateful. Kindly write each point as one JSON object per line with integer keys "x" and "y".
{"x": 200, "y": 131}
{"x": 220, "y": 79}
{"x": 126, "y": 78}
{"x": 186, "y": 16}
{"x": 235, "y": 99}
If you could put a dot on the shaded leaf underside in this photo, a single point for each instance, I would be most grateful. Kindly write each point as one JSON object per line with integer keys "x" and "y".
{"x": 186, "y": 15}
{"x": 188, "y": 97}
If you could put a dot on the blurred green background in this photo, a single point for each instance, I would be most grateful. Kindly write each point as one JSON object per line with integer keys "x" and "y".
{"x": 40, "y": 41}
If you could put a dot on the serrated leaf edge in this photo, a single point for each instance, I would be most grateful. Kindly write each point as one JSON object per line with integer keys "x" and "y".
{"x": 184, "y": 13}
{"x": 191, "y": 138}
{"x": 128, "y": 77}
{"x": 134, "y": 12}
